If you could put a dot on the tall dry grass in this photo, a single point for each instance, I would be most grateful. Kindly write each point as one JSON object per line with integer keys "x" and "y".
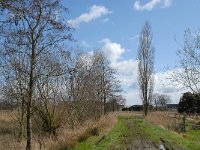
{"x": 65, "y": 139}
{"x": 131, "y": 113}
{"x": 7, "y": 131}
{"x": 69, "y": 138}
{"x": 163, "y": 119}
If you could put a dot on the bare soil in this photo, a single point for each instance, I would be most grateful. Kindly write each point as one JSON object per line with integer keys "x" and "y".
{"x": 139, "y": 141}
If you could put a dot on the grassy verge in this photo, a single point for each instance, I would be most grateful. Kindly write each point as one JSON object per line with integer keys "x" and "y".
{"x": 113, "y": 139}
{"x": 126, "y": 130}
{"x": 171, "y": 139}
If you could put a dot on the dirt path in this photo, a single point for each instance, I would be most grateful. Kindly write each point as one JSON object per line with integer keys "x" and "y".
{"x": 139, "y": 142}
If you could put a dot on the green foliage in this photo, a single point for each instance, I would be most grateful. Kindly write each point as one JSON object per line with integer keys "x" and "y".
{"x": 189, "y": 103}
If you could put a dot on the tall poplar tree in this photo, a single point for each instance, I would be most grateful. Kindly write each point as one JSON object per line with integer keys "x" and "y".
{"x": 146, "y": 66}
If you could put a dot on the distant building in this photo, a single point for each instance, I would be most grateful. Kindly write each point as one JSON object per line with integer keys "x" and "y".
{"x": 136, "y": 108}
{"x": 172, "y": 107}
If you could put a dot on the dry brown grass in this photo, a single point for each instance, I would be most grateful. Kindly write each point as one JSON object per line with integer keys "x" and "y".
{"x": 69, "y": 138}
{"x": 7, "y": 131}
{"x": 131, "y": 113}
{"x": 65, "y": 139}
{"x": 6, "y": 115}
{"x": 164, "y": 119}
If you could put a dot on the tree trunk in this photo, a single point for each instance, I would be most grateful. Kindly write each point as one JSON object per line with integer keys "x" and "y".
{"x": 28, "y": 128}
{"x": 29, "y": 102}
{"x": 104, "y": 103}
{"x": 146, "y": 107}
{"x": 145, "y": 110}
{"x": 21, "y": 120}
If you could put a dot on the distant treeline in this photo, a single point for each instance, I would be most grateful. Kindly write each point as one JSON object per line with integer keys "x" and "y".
{"x": 151, "y": 107}
{"x": 133, "y": 108}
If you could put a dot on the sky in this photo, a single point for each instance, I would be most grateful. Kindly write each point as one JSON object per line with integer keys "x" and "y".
{"x": 113, "y": 26}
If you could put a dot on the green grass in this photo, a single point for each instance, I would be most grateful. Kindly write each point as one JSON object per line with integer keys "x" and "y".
{"x": 124, "y": 132}
{"x": 194, "y": 136}
{"x": 112, "y": 139}
{"x": 189, "y": 141}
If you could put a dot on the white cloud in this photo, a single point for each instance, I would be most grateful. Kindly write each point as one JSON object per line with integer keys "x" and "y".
{"x": 164, "y": 85}
{"x": 112, "y": 50}
{"x": 167, "y": 3}
{"x": 126, "y": 69}
{"x": 151, "y": 4}
{"x": 127, "y": 74}
{"x": 132, "y": 97}
{"x": 94, "y": 13}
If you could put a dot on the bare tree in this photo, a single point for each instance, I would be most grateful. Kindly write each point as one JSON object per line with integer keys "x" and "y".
{"x": 163, "y": 100}
{"x": 109, "y": 86}
{"x": 160, "y": 100}
{"x": 92, "y": 84}
{"x": 49, "y": 88}
{"x": 187, "y": 73}
{"x": 114, "y": 102}
{"x": 155, "y": 100}
{"x": 146, "y": 66}
{"x": 30, "y": 29}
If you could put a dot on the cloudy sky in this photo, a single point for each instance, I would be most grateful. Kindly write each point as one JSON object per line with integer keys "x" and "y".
{"x": 114, "y": 26}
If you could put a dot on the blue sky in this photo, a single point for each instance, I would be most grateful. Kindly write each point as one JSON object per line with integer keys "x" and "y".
{"x": 114, "y": 27}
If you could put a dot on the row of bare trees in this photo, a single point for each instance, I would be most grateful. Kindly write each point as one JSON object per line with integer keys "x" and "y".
{"x": 49, "y": 84}
{"x": 92, "y": 85}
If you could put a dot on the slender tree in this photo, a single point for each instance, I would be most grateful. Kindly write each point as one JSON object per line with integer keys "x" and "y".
{"x": 146, "y": 66}
{"x": 155, "y": 100}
